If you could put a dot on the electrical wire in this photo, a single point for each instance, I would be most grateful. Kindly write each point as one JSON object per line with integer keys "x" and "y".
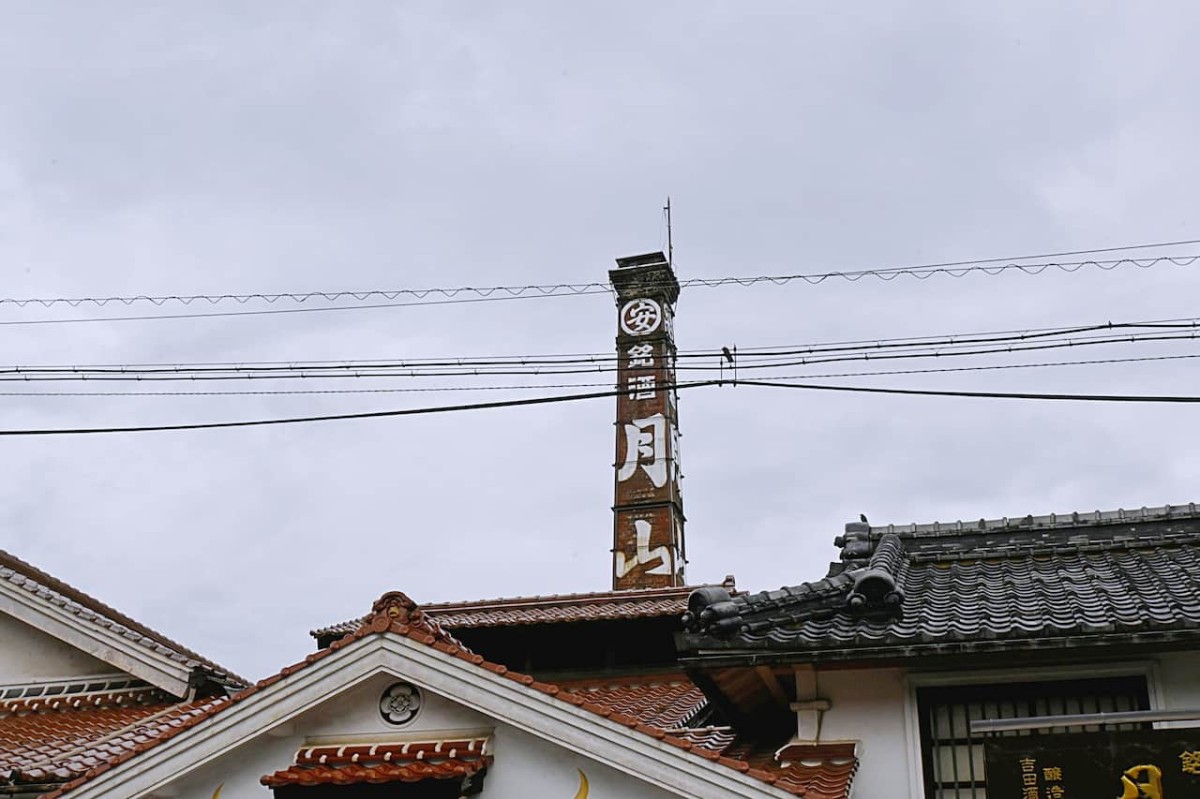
{"x": 608, "y": 357}
{"x": 970, "y": 338}
{"x": 1124, "y": 398}
{"x": 360, "y": 370}
{"x": 560, "y": 359}
{"x": 334, "y": 417}
{"x": 1137, "y": 398}
{"x": 488, "y": 291}
{"x": 958, "y": 269}
{"x": 1016, "y": 334}
{"x": 544, "y": 386}
{"x": 938, "y": 340}
{"x": 274, "y": 311}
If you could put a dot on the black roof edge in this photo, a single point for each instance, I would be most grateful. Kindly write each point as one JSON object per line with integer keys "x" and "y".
{"x": 720, "y": 654}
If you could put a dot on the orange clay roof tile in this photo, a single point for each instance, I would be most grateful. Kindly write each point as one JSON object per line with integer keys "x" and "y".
{"x": 396, "y": 613}
{"x": 383, "y": 762}
{"x": 814, "y": 771}
{"x": 415, "y": 771}
{"x": 55, "y": 745}
{"x": 667, "y": 701}
{"x": 550, "y": 609}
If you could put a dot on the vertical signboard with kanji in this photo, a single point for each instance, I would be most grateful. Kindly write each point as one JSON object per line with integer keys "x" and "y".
{"x": 648, "y": 518}
{"x": 1141, "y": 764}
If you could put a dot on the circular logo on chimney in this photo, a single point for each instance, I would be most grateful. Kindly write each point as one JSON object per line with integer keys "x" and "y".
{"x": 400, "y": 703}
{"x": 641, "y": 316}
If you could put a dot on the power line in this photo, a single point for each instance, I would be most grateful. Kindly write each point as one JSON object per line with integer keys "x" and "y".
{"x": 923, "y": 273}
{"x": 488, "y": 291}
{"x": 954, "y": 339}
{"x": 517, "y": 367}
{"x": 544, "y": 386}
{"x": 1127, "y": 398}
{"x": 334, "y": 417}
{"x": 937, "y": 340}
{"x": 989, "y": 368}
{"x": 965, "y": 340}
{"x": 958, "y": 269}
{"x": 954, "y": 353}
{"x": 1019, "y": 333}
{"x": 275, "y": 311}
{"x": 566, "y": 359}
{"x": 978, "y": 394}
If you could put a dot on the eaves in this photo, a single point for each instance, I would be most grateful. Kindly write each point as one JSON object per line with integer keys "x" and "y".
{"x": 733, "y": 654}
{"x": 101, "y": 642}
{"x": 575, "y": 728}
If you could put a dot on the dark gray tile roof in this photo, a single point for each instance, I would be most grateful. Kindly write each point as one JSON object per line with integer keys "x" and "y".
{"x": 1100, "y": 577}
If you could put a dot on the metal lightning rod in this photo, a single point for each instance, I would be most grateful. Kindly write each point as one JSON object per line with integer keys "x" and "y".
{"x": 670, "y": 242}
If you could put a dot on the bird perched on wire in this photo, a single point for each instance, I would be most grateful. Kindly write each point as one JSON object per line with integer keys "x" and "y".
{"x": 728, "y": 355}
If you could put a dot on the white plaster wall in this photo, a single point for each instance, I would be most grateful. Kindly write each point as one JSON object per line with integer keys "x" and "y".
{"x": 28, "y": 655}
{"x": 868, "y": 706}
{"x": 345, "y": 717}
{"x": 526, "y": 767}
{"x": 1179, "y": 684}
{"x": 357, "y": 712}
{"x": 236, "y": 772}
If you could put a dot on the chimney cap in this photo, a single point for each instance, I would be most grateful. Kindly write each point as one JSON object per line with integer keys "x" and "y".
{"x": 646, "y": 259}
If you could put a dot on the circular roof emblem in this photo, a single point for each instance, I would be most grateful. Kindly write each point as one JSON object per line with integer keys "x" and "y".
{"x": 641, "y": 316}
{"x": 400, "y": 703}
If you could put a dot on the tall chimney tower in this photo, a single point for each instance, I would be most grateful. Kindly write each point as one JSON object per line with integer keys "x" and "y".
{"x": 648, "y": 550}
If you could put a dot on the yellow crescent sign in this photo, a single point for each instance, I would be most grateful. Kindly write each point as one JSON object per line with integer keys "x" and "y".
{"x": 217, "y": 792}
{"x": 583, "y": 786}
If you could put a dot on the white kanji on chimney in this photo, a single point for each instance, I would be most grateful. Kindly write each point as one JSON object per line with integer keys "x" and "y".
{"x": 641, "y": 316}
{"x": 644, "y": 555}
{"x": 641, "y": 356}
{"x": 642, "y": 387}
{"x": 646, "y": 446}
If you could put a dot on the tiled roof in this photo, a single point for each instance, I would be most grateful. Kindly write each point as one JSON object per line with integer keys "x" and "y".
{"x": 811, "y": 770}
{"x": 558, "y": 608}
{"x": 93, "y": 611}
{"x": 666, "y": 702}
{"x": 1049, "y": 521}
{"x": 395, "y": 613}
{"x": 50, "y": 739}
{"x": 714, "y": 739}
{"x": 106, "y": 690}
{"x": 383, "y": 762}
{"x": 814, "y": 771}
{"x": 1033, "y": 581}
{"x": 353, "y": 773}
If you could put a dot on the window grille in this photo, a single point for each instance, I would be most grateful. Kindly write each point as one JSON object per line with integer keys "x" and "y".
{"x": 952, "y": 758}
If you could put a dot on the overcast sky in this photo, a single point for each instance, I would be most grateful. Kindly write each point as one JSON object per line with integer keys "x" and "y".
{"x": 231, "y": 147}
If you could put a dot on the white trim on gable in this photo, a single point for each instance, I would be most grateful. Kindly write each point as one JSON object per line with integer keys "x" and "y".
{"x": 548, "y": 718}
{"x": 96, "y": 640}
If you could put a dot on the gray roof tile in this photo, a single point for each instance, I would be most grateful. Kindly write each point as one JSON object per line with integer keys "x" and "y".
{"x": 960, "y": 585}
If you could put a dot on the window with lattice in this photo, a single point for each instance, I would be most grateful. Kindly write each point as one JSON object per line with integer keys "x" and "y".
{"x": 952, "y": 757}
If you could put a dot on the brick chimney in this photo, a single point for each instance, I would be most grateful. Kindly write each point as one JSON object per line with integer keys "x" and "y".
{"x": 648, "y": 549}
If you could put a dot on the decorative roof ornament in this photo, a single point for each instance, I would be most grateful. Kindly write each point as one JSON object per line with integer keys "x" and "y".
{"x": 396, "y": 606}
{"x": 400, "y": 703}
